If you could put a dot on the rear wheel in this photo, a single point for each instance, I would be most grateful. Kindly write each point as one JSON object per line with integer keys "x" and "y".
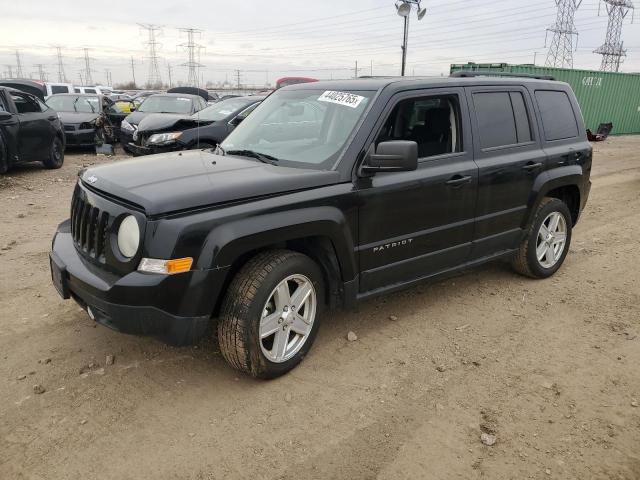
{"x": 270, "y": 315}
{"x": 545, "y": 247}
{"x": 56, "y": 155}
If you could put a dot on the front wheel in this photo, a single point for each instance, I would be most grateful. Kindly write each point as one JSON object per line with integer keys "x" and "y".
{"x": 56, "y": 155}
{"x": 545, "y": 247}
{"x": 270, "y": 315}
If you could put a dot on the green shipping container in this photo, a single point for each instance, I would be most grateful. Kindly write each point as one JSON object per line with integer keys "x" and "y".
{"x": 604, "y": 97}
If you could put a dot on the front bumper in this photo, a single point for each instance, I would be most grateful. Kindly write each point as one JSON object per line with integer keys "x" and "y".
{"x": 176, "y": 308}
{"x": 80, "y": 138}
{"x": 142, "y": 150}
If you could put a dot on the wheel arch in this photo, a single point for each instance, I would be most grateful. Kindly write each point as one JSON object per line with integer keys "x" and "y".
{"x": 563, "y": 184}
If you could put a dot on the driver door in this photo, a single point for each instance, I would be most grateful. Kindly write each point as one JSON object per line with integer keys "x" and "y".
{"x": 413, "y": 225}
{"x": 36, "y": 132}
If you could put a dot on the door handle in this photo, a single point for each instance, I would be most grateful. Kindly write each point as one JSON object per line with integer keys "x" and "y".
{"x": 530, "y": 167}
{"x": 458, "y": 180}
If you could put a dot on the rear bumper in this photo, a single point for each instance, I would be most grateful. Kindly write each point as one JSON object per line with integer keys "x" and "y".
{"x": 176, "y": 308}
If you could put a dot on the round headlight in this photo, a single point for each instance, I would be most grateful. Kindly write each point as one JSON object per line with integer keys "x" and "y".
{"x": 129, "y": 236}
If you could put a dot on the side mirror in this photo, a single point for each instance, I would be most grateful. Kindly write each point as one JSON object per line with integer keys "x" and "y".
{"x": 5, "y": 115}
{"x": 392, "y": 156}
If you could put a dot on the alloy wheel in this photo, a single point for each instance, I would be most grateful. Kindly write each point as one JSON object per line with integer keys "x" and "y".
{"x": 552, "y": 239}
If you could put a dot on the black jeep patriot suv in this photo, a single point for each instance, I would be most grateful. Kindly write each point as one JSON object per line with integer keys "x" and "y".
{"x": 327, "y": 194}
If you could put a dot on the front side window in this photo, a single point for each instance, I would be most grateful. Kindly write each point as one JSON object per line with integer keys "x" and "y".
{"x": 432, "y": 122}
{"x": 166, "y": 104}
{"x": 74, "y": 103}
{"x": 301, "y": 128}
{"x": 558, "y": 119}
{"x": 24, "y": 103}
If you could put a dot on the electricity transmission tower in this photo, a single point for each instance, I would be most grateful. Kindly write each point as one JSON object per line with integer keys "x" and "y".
{"x": 42, "y": 75}
{"x": 613, "y": 49}
{"x": 9, "y": 72}
{"x": 560, "y": 53}
{"x": 133, "y": 71}
{"x": 62, "y": 77}
{"x": 193, "y": 51}
{"x": 87, "y": 67}
{"x": 19, "y": 73}
{"x": 154, "y": 79}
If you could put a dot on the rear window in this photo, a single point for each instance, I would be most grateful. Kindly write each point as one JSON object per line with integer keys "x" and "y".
{"x": 59, "y": 89}
{"x": 502, "y": 119}
{"x": 558, "y": 119}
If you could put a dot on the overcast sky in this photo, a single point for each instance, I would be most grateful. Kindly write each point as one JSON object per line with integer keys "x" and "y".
{"x": 269, "y": 39}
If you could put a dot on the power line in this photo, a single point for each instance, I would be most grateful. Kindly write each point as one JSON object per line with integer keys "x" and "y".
{"x": 612, "y": 50}
{"x": 154, "y": 79}
{"x": 193, "y": 49}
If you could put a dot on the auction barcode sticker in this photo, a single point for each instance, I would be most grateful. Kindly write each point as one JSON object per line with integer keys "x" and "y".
{"x": 341, "y": 98}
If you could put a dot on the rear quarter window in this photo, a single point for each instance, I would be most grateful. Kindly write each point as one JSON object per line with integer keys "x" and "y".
{"x": 558, "y": 119}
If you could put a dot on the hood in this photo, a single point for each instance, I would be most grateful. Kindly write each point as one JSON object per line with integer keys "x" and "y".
{"x": 77, "y": 117}
{"x": 136, "y": 117}
{"x": 172, "y": 182}
{"x": 165, "y": 121}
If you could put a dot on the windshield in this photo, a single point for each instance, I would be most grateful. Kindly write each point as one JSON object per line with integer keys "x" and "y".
{"x": 307, "y": 128}
{"x": 74, "y": 103}
{"x": 166, "y": 104}
{"x": 221, "y": 110}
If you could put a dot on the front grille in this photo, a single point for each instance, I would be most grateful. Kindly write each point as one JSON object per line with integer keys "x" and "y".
{"x": 89, "y": 228}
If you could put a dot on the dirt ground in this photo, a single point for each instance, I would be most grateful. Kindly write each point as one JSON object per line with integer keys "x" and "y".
{"x": 550, "y": 368}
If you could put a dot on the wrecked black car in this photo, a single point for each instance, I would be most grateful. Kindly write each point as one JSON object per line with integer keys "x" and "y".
{"x": 29, "y": 131}
{"x": 165, "y": 103}
{"x": 204, "y": 129}
{"x": 88, "y": 120}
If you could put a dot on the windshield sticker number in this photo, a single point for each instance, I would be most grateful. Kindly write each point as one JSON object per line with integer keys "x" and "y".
{"x": 341, "y": 98}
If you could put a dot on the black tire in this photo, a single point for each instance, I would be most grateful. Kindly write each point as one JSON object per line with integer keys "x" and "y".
{"x": 244, "y": 303}
{"x": 4, "y": 158}
{"x": 56, "y": 155}
{"x": 526, "y": 260}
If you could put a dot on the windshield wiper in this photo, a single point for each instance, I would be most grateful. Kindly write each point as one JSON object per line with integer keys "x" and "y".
{"x": 263, "y": 157}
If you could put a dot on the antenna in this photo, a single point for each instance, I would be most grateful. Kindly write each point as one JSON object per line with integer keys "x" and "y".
{"x": 612, "y": 50}
{"x": 191, "y": 48}
{"x": 560, "y": 53}
{"x": 154, "y": 80}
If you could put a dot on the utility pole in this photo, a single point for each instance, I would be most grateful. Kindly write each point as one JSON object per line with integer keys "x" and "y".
{"x": 560, "y": 53}
{"x": 612, "y": 50}
{"x": 154, "y": 79}
{"x": 133, "y": 71}
{"x": 19, "y": 73}
{"x": 238, "y": 79}
{"x": 81, "y": 79}
{"x": 62, "y": 77}
{"x": 403, "y": 8}
{"x": 371, "y": 68}
{"x": 191, "y": 48}
{"x": 42, "y": 75}
{"x": 87, "y": 67}
{"x": 356, "y": 70}
{"x": 169, "y": 73}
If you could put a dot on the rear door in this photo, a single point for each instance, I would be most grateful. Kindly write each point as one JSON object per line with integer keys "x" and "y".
{"x": 9, "y": 128}
{"x": 415, "y": 224}
{"x": 510, "y": 158}
{"x": 36, "y": 132}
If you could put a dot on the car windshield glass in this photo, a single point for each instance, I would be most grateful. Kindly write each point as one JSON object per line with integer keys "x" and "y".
{"x": 166, "y": 104}
{"x": 221, "y": 110}
{"x": 301, "y": 128}
{"x": 74, "y": 103}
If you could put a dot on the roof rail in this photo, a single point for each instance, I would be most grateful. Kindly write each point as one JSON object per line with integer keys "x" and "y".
{"x": 466, "y": 74}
